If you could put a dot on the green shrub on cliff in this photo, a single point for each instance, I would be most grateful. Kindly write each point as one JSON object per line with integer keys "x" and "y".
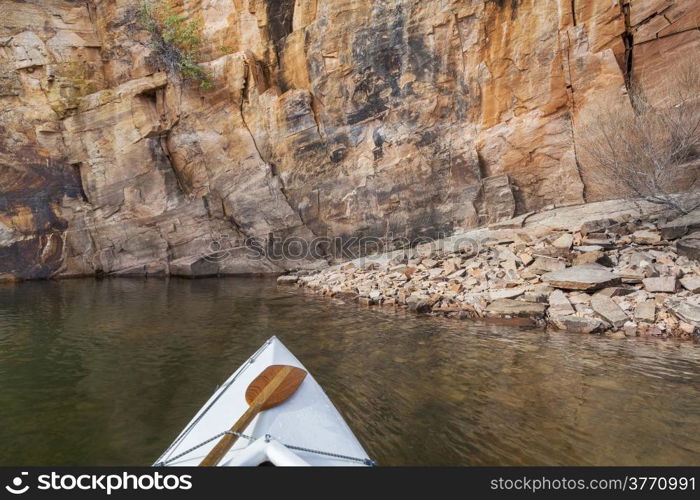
{"x": 175, "y": 41}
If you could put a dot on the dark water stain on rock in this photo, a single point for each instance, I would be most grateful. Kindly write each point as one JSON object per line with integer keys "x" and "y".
{"x": 421, "y": 59}
{"x": 35, "y": 258}
{"x": 37, "y": 188}
{"x": 378, "y": 138}
{"x": 338, "y": 155}
{"x": 427, "y": 137}
{"x": 502, "y": 3}
{"x": 380, "y": 52}
{"x": 367, "y": 96}
{"x": 514, "y": 4}
{"x": 373, "y": 108}
{"x": 280, "y": 16}
{"x": 32, "y": 192}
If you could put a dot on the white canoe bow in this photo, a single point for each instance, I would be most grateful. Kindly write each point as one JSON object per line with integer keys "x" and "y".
{"x": 305, "y": 430}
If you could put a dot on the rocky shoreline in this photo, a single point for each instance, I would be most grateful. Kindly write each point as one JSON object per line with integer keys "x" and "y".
{"x": 607, "y": 268}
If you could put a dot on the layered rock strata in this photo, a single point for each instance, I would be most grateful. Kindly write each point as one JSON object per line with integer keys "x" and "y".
{"x": 327, "y": 118}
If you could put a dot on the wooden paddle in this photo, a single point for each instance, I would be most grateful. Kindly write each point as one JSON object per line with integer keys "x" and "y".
{"x": 269, "y": 389}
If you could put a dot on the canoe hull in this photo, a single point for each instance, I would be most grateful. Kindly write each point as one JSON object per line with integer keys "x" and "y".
{"x": 307, "y": 420}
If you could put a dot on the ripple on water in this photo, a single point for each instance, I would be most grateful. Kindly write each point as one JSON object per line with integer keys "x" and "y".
{"x": 116, "y": 368}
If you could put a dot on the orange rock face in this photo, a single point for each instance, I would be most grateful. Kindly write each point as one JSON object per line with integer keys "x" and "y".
{"x": 327, "y": 118}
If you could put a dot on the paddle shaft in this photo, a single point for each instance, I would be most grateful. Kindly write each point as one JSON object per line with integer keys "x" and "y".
{"x": 256, "y": 406}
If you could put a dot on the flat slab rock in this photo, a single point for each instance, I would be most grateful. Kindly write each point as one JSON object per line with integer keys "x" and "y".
{"x": 287, "y": 279}
{"x": 564, "y": 241}
{"x": 606, "y": 307}
{"x": 559, "y": 305}
{"x": 194, "y": 267}
{"x": 645, "y": 311}
{"x": 547, "y": 264}
{"x": 645, "y": 237}
{"x": 515, "y": 308}
{"x": 691, "y": 283}
{"x": 617, "y": 291}
{"x": 589, "y": 258}
{"x": 664, "y": 284}
{"x": 585, "y": 277}
{"x": 685, "y": 311}
{"x": 578, "y": 324}
{"x": 506, "y": 293}
{"x": 680, "y": 226}
{"x": 689, "y": 246}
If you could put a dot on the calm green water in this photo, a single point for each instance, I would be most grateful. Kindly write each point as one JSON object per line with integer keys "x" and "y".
{"x": 108, "y": 372}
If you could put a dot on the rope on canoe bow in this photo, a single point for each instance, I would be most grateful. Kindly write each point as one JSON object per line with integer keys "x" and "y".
{"x": 251, "y": 360}
{"x": 187, "y": 452}
{"x": 192, "y": 425}
{"x": 365, "y": 461}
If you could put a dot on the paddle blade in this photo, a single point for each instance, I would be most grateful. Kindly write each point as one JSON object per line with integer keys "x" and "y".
{"x": 272, "y": 387}
{"x": 274, "y": 394}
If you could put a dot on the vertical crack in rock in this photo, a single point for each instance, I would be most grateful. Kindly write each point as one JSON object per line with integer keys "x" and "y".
{"x": 90, "y": 7}
{"x": 570, "y": 84}
{"x": 481, "y": 167}
{"x": 93, "y": 250}
{"x": 163, "y": 144}
{"x": 573, "y": 11}
{"x": 244, "y": 96}
{"x": 628, "y": 40}
{"x": 572, "y": 104}
{"x": 169, "y": 250}
{"x": 80, "y": 188}
{"x": 271, "y": 166}
{"x": 314, "y": 114}
{"x": 231, "y": 219}
{"x": 579, "y": 170}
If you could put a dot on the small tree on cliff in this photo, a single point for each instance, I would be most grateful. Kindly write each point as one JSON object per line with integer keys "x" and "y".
{"x": 651, "y": 150}
{"x": 175, "y": 42}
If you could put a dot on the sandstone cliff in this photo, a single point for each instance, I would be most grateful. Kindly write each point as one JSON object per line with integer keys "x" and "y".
{"x": 326, "y": 118}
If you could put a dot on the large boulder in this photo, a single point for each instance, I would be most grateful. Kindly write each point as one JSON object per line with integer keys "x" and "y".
{"x": 685, "y": 311}
{"x": 515, "y": 308}
{"x": 608, "y": 309}
{"x": 506, "y": 293}
{"x": 689, "y": 246}
{"x": 645, "y": 311}
{"x": 194, "y": 267}
{"x": 691, "y": 283}
{"x": 662, "y": 284}
{"x": 559, "y": 305}
{"x": 680, "y": 226}
{"x": 645, "y": 237}
{"x": 288, "y": 279}
{"x": 586, "y": 277}
{"x": 577, "y": 324}
{"x": 545, "y": 264}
